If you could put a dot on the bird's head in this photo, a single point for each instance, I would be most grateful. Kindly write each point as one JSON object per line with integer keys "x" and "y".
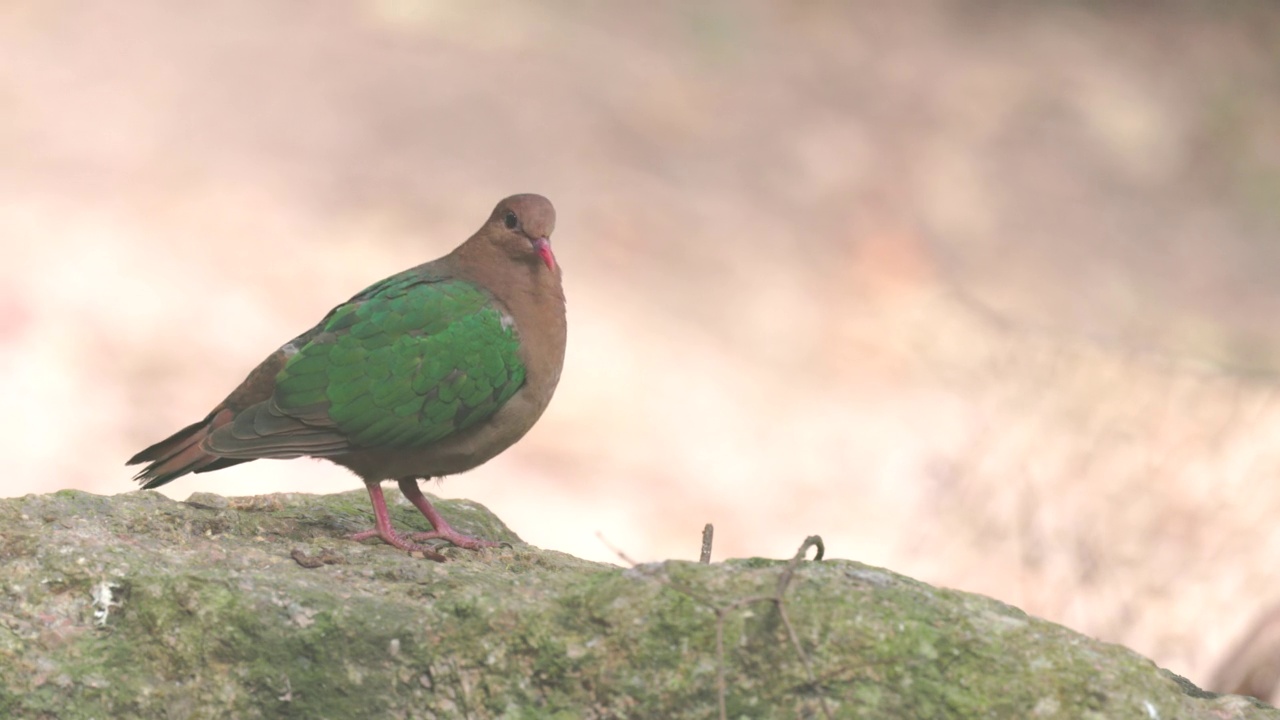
{"x": 521, "y": 226}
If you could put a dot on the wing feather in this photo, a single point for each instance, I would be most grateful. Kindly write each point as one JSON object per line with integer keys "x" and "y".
{"x": 404, "y": 364}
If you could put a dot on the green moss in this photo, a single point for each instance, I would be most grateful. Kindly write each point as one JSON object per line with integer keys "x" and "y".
{"x": 216, "y": 620}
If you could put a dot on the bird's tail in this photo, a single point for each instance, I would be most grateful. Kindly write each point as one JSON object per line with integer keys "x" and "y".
{"x": 183, "y": 452}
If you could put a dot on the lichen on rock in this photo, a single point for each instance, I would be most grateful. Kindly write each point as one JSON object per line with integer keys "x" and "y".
{"x": 139, "y": 606}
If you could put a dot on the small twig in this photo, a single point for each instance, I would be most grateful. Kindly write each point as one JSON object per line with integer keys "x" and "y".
{"x": 777, "y": 598}
{"x": 813, "y": 541}
{"x": 779, "y": 601}
{"x": 616, "y": 550}
{"x": 721, "y": 691}
{"x": 785, "y": 580}
{"x": 707, "y": 533}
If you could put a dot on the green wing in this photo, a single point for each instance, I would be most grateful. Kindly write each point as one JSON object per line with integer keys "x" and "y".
{"x": 407, "y": 362}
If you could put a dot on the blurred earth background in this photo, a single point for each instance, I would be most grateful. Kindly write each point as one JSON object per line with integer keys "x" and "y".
{"x": 980, "y": 291}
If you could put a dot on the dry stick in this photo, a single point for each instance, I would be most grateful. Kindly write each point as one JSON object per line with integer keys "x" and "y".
{"x": 616, "y": 550}
{"x": 784, "y": 581}
{"x": 707, "y": 533}
{"x": 721, "y": 691}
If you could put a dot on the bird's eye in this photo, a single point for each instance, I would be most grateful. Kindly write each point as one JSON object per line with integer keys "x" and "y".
{"x": 511, "y": 220}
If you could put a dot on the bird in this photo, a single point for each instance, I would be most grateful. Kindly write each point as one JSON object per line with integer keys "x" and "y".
{"x": 427, "y": 373}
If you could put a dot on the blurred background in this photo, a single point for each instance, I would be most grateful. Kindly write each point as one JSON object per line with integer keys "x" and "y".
{"x": 979, "y": 291}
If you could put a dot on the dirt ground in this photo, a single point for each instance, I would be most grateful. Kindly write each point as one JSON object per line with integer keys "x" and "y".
{"x": 983, "y": 292}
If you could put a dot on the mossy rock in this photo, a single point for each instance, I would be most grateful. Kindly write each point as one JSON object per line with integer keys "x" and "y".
{"x": 139, "y": 606}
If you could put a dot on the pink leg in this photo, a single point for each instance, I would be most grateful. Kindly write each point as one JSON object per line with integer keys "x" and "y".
{"x": 382, "y": 526}
{"x": 443, "y": 530}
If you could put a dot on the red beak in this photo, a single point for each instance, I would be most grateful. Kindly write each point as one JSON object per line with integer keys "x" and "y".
{"x": 543, "y": 246}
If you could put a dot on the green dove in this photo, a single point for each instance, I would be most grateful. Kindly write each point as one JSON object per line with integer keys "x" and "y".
{"x": 430, "y": 372}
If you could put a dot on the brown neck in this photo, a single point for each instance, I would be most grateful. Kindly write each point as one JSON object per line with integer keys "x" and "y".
{"x": 534, "y": 297}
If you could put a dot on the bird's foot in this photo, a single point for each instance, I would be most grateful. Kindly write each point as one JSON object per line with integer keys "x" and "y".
{"x": 455, "y": 538}
{"x": 443, "y": 530}
{"x": 391, "y": 538}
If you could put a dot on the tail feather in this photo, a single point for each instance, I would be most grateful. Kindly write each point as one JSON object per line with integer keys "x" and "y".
{"x": 222, "y": 462}
{"x": 183, "y": 452}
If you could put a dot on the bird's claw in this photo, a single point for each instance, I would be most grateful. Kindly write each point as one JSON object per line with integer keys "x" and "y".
{"x": 455, "y": 538}
{"x": 398, "y": 541}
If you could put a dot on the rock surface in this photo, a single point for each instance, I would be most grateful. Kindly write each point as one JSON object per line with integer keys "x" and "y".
{"x": 139, "y": 606}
